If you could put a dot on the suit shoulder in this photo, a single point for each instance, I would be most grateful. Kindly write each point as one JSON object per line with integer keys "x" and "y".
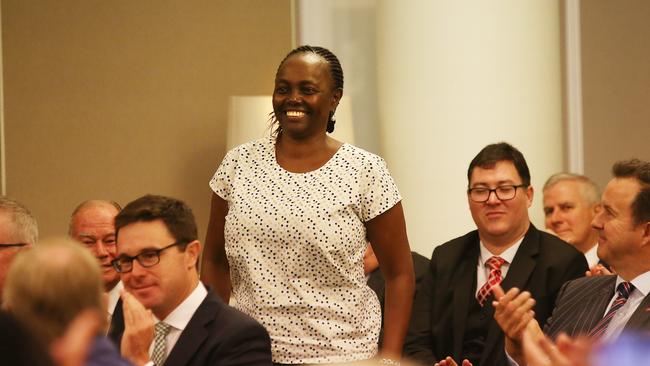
{"x": 591, "y": 282}
{"x": 457, "y": 244}
{"x": 557, "y": 247}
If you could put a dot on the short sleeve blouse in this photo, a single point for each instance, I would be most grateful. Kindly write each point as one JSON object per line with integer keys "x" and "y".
{"x": 295, "y": 244}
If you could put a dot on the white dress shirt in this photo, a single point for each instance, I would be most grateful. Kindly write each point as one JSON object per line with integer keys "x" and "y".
{"x": 641, "y": 289}
{"x": 592, "y": 256}
{"x": 113, "y": 297}
{"x": 483, "y": 272}
{"x": 180, "y": 316}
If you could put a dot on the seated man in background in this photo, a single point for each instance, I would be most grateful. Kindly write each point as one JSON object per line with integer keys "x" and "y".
{"x": 92, "y": 223}
{"x": 48, "y": 287}
{"x": 571, "y": 202}
{"x": 157, "y": 258}
{"x": 18, "y": 230}
{"x": 375, "y": 279}
{"x": 453, "y": 312}
{"x": 600, "y": 306}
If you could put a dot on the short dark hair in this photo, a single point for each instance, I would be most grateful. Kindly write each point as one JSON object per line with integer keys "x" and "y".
{"x": 336, "y": 72}
{"x": 639, "y": 170}
{"x": 502, "y": 151}
{"x": 176, "y": 215}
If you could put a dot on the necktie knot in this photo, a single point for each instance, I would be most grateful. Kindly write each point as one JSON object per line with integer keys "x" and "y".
{"x": 624, "y": 289}
{"x": 495, "y": 263}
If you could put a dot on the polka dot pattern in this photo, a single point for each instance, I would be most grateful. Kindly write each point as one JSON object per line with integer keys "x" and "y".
{"x": 295, "y": 245}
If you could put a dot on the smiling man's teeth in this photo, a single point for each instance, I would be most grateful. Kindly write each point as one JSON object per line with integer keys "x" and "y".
{"x": 295, "y": 113}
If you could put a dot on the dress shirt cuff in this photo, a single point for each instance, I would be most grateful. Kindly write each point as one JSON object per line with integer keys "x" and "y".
{"x": 511, "y": 361}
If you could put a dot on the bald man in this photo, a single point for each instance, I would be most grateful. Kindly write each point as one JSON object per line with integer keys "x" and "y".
{"x": 92, "y": 223}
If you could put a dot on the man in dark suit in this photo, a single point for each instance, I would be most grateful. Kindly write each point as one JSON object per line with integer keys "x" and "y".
{"x": 601, "y": 306}
{"x": 375, "y": 279}
{"x": 452, "y": 313}
{"x": 157, "y": 257}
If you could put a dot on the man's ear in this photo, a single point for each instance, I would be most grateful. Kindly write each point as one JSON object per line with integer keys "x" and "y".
{"x": 530, "y": 193}
{"x": 645, "y": 233}
{"x": 193, "y": 250}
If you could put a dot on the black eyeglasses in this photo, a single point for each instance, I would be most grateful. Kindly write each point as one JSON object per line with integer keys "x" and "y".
{"x": 147, "y": 258}
{"x": 503, "y": 193}
{"x": 13, "y": 245}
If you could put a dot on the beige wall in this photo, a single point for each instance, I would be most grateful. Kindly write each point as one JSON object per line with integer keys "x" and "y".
{"x": 115, "y": 99}
{"x": 616, "y": 83}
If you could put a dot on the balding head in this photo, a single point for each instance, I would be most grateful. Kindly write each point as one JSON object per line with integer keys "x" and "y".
{"x": 92, "y": 223}
{"x": 48, "y": 286}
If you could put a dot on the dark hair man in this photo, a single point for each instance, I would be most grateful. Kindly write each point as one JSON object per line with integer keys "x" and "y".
{"x": 600, "y": 306}
{"x": 157, "y": 256}
{"x": 453, "y": 313}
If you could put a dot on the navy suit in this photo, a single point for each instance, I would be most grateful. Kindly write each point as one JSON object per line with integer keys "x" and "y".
{"x": 217, "y": 334}
{"x": 542, "y": 264}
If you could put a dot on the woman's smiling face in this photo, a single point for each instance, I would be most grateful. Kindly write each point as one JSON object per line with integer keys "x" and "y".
{"x": 304, "y": 95}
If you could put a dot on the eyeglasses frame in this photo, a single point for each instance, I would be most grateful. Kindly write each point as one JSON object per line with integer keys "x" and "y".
{"x": 490, "y": 191}
{"x": 116, "y": 265}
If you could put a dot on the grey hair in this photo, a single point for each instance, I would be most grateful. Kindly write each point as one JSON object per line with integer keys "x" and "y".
{"x": 590, "y": 191}
{"x": 24, "y": 227}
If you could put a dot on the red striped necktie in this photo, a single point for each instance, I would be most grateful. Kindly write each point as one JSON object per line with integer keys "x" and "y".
{"x": 624, "y": 289}
{"x": 494, "y": 278}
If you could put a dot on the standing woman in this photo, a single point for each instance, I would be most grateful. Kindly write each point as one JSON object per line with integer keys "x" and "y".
{"x": 290, "y": 218}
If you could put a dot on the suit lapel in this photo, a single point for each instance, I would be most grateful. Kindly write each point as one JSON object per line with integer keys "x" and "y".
{"x": 463, "y": 288}
{"x": 518, "y": 275}
{"x": 195, "y": 333}
{"x": 116, "y": 327}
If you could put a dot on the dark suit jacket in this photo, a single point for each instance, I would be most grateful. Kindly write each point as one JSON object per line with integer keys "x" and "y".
{"x": 378, "y": 285}
{"x": 582, "y": 303}
{"x": 217, "y": 334}
{"x": 541, "y": 265}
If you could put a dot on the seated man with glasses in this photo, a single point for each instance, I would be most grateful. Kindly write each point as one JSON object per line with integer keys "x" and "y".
{"x": 92, "y": 224}
{"x": 453, "y": 314}
{"x": 166, "y": 315}
{"x": 18, "y": 230}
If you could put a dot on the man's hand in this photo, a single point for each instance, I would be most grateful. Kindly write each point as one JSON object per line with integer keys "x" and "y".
{"x": 513, "y": 311}
{"x": 138, "y": 330}
{"x": 450, "y": 362}
{"x": 598, "y": 270}
{"x": 540, "y": 351}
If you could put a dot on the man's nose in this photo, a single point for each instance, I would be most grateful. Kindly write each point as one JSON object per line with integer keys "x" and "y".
{"x": 492, "y": 198}
{"x": 100, "y": 249}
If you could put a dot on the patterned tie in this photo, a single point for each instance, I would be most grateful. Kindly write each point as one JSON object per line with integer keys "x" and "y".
{"x": 624, "y": 289}
{"x": 160, "y": 345}
{"x": 494, "y": 278}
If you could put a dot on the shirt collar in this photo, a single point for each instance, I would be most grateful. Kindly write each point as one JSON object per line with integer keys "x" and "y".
{"x": 592, "y": 256}
{"x": 508, "y": 255}
{"x": 641, "y": 283}
{"x": 180, "y": 316}
{"x": 113, "y": 296}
